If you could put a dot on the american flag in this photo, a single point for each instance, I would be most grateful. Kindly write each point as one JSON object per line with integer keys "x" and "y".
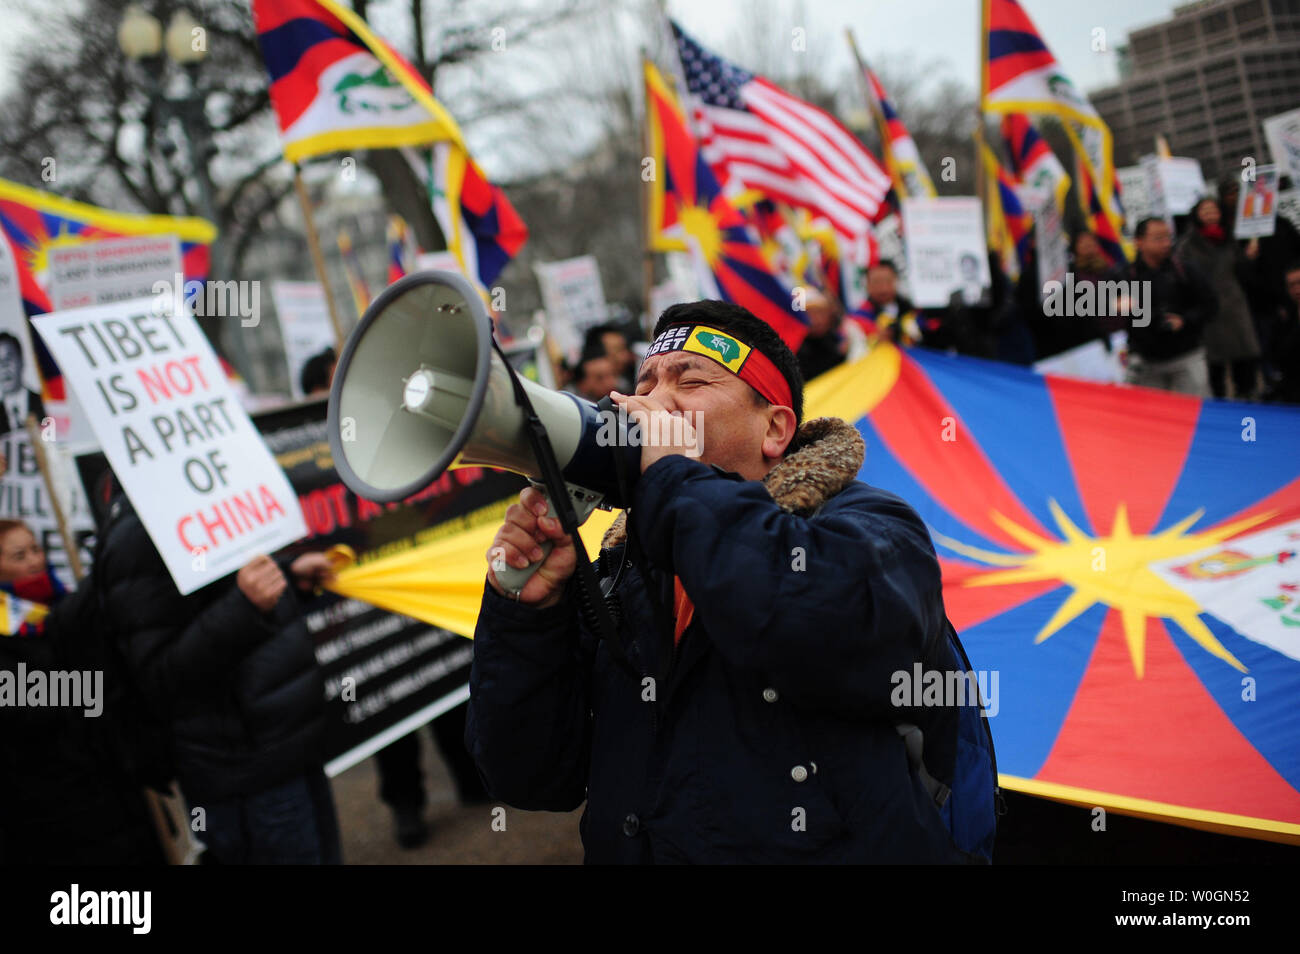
{"x": 758, "y": 135}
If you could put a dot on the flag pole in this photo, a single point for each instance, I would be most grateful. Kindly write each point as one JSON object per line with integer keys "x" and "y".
{"x": 647, "y": 255}
{"x": 874, "y": 109}
{"x": 317, "y": 256}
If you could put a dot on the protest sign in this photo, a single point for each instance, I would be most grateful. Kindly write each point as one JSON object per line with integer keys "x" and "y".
{"x": 946, "y": 254}
{"x": 1257, "y": 205}
{"x": 20, "y": 382}
{"x": 573, "y": 298}
{"x": 1136, "y": 196}
{"x": 384, "y": 674}
{"x": 25, "y": 496}
{"x": 1050, "y": 243}
{"x": 1174, "y": 185}
{"x": 305, "y": 326}
{"x": 121, "y": 269}
{"x": 204, "y": 484}
{"x": 1283, "y": 135}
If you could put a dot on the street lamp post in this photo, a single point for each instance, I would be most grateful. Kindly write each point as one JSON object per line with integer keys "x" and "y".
{"x": 144, "y": 42}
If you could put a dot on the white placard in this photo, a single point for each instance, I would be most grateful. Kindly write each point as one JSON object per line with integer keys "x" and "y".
{"x": 1283, "y": 135}
{"x": 1136, "y": 196}
{"x": 121, "y": 269}
{"x": 24, "y": 496}
{"x": 205, "y": 486}
{"x": 572, "y": 293}
{"x": 1257, "y": 205}
{"x": 305, "y": 327}
{"x": 946, "y": 253}
{"x": 1174, "y": 185}
{"x": 1090, "y": 362}
{"x": 1050, "y": 244}
{"x": 1252, "y": 583}
{"x": 20, "y": 381}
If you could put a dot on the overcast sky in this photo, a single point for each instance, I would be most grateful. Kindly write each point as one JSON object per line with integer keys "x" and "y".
{"x": 928, "y": 30}
{"x": 937, "y": 30}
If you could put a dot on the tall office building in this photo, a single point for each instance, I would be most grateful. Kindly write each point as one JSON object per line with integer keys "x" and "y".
{"x": 1206, "y": 78}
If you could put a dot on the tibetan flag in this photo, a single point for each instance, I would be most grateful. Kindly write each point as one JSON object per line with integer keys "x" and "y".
{"x": 1020, "y": 75}
{"x": 688, "y": 211}
{"x": 1130, "y": 578}
{"x": 481, "y": 227}
{"x": 1010, "y": 227}
{"x": 356, "y": 277}
{"x": 1107, "y": 227}
{"x": 33, "y": 222}
{"x": 1035, "y": 165}
{"x": 336, "y": 86}
{"x": 401, "y": 248}
{"x": 902, "y": 158}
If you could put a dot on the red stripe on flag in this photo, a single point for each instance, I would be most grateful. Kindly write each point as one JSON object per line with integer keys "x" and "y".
{"x": 1010, "y": 67}
{"x": 294, "y": 92}
{"x": 1111, "y": 467}
{"x": 910, "y": 420}
{"x": 1150, "y": 738}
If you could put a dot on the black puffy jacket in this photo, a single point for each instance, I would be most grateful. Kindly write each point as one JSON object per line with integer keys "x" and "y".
{"x": 773, "y": 737}
{"x": 241, "y": 690}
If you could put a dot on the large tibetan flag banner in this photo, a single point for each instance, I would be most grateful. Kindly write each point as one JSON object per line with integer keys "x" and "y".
{"x": 1020, "y": 75}
{"x": 1036, "y": 167}
{"x": 902, "y": 158}
{"x": 34, "y": 223}
{"x": 689, "y": 212}
{"x": 336, "y": 86}
{"x": 1126, "y": 561}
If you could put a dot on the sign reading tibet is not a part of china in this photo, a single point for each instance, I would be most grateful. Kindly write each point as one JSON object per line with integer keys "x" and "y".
{"x": 200, "y": 477}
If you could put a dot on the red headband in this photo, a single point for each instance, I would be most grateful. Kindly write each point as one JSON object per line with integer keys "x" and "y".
{"x": 745, "y": 361}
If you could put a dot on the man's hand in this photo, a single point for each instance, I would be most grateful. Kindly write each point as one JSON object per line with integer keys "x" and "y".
{"x": 663, "y": 433}
{"x": 311, "y": 570}
{"x": 262, "y": 582}
{"x": 1174, "y": 322}
{"x": 517, "y": 544}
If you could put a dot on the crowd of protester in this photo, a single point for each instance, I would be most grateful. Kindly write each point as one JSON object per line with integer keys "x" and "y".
{"x": 1220, "y": 314}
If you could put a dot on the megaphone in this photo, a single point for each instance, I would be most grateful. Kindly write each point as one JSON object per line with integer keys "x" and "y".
{"x": 420, "y": 389}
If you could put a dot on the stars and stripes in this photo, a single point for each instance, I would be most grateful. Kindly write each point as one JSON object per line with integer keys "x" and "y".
{"x": 758, "y": 136}
{"x": 689, "y": 210}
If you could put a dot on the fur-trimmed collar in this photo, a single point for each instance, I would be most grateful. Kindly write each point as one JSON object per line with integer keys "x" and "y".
{"x": 825, "y": 457}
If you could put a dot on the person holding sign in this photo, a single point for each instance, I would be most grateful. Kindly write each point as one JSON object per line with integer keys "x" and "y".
{"x": 232, "y": 672}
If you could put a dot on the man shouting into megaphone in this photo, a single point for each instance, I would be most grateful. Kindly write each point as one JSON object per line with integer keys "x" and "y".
{"x": 769, "y": 604}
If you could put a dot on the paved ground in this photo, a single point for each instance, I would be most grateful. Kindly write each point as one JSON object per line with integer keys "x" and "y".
{"x": 461, "y": 834}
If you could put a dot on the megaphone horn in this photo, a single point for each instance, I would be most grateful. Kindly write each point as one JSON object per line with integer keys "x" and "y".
{"x": 420, "y": 389}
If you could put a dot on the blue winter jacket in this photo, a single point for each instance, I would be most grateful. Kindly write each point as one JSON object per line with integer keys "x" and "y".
{"x": 773, "y": 735}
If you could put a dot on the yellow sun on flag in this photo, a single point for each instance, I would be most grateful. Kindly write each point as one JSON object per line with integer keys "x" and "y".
{"x": 1114, "y": 570}
{"x": 700, "y": 224}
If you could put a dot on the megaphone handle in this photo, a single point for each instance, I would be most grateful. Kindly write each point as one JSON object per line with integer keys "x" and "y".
{"x": 584, "y": 502}
{"x": 515, "y": 578}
